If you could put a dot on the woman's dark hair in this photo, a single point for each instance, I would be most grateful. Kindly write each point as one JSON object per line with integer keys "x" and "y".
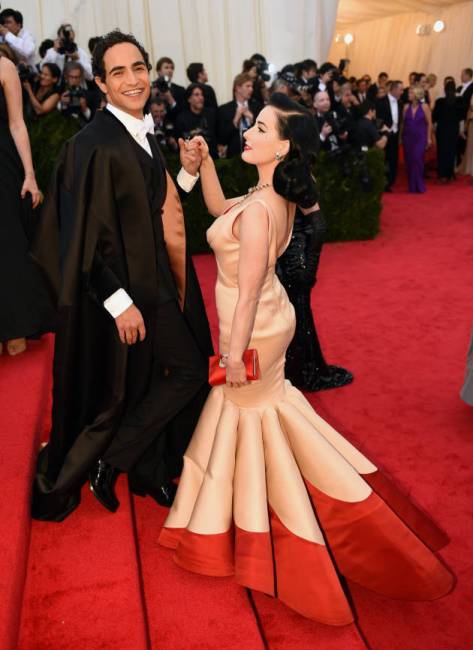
{"x": 104, "y": 43}
{"x": 193, "y": 71}
{"x": 450, "y": 92}
{"x": 292, "y": 177}
{"x": 55, "y": 71}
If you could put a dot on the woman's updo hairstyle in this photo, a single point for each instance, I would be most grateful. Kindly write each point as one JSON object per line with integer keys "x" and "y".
{"x": 292, "y": 177}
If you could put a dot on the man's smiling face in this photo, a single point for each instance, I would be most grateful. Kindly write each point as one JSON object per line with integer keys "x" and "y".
{"x": 127, "y": 83}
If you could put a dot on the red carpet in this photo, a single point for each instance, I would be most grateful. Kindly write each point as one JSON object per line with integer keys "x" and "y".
{"x": 397, "y": 311}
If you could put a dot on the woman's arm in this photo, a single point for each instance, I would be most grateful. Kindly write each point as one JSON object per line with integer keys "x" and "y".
{"x": 41, "y": 108}
{"x": 12, "y": 88}
{"x": 212, "y": 190}
{"x": 253, "y": 228}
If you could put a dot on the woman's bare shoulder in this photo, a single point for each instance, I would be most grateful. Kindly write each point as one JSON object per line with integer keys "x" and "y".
{"x": 7, "y": 68}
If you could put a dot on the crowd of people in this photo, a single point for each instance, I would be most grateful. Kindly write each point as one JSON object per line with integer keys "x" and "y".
{"x": 350, "y": 112}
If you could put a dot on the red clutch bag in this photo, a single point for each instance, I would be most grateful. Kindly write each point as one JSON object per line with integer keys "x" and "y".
{"x": 218, "y": 371}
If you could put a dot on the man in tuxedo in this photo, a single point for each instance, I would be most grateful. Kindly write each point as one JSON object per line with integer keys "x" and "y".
{"x": 174, "y": 95}
{"x": 325, "y": 77}
{"x": 361, "y": 92}
{"x": 132, "y": 338}
{"x": 237, "y": 116}
{"x": 197, "y": 74}
{"x": 389, "y": 110}
{"x": 466, "y": 89}
{"x": 197, "y": 120}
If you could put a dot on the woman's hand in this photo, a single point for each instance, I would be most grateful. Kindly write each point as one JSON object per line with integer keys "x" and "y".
{"x": 202, "y": 146}
{"x": 27, "y": 87}
{"x": 190, "y": 156}
{"x": 30, "y": 186}
{"x": 236, "y": 373}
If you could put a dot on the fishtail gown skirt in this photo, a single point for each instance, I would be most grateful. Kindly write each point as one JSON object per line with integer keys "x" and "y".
{"x": 272, "y": 494}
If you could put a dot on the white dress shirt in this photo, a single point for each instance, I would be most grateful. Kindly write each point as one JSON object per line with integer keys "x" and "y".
{"x": 394, "y": 113}
{"x": 465, "y": 86}
{"x": 23, "y": 45}
{"x": 52, "y": 56}
{"x": 119, "y": 301}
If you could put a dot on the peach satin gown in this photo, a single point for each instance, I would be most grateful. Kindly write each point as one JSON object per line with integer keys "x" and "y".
{"x": 272, "y": 494}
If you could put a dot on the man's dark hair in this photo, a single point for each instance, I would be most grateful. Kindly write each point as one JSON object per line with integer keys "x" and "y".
{"x": 394, "y": 84}
{"x": 92, "y": 43}
{"x": 46, "y": 45}
{"x": 157, "y": 101}
{"x": 383, "y": 74}
{"x": 61, "y": 28}
{"x": 11, "y": 13}
{"x": 326, "y": 67}
{"x": 191, "y": 87}
{"x": 308, "y": 64}
{"x": 73, "y": 65}
{"x": 468, "y": 71}
{"x": 193, "y": 71}
{"x": 163, "y": 59}
{"x": 104, "y": 43}
{"x": 54, "y": 69}
{"x": 366, "y": 107}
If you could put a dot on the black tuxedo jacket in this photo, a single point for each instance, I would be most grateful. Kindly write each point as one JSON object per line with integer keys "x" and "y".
{"x": 466, "y": 99}
{"x": 383, "y": 111}
{"x": 227, "y": 133}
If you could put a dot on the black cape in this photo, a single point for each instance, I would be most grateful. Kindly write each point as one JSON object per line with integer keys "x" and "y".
{"x": 97, "y": 204}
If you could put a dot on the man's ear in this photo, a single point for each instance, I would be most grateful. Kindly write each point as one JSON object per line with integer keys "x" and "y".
{"x": 101, "y": 84}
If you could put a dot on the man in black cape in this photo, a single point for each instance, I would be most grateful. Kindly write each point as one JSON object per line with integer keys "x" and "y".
{"x": 132, "y": 337}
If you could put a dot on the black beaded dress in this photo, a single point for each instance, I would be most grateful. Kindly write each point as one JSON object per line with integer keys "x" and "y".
{"x": 297, "y": 268}
{"x": 24, "y": 307}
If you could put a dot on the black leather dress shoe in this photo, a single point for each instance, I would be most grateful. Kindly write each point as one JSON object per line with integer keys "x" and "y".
{"x": 102, "y": 485}
{"x": 163, "y": 495}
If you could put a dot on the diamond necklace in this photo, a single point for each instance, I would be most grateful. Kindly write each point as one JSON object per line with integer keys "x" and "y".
{"x": 252, "y": 190}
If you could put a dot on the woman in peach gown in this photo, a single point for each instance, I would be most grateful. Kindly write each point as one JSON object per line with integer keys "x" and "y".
{"x": 270, "y": 492}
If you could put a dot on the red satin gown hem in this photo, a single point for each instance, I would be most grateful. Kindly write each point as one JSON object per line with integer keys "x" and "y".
{"x": 208, "y": 554}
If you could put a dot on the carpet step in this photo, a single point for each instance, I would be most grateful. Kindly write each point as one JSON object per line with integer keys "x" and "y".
{"x": 24, "y": 387}
{"x": 186, "y": 610}
{"x": 83, "y": 589}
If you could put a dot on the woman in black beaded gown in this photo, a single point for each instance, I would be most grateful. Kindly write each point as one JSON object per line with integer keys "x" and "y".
{"x": 24, "y": 308}
{"x": 306, "y": 367}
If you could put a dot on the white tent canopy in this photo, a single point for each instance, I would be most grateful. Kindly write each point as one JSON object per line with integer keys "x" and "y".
{"x": 385, "y": 37}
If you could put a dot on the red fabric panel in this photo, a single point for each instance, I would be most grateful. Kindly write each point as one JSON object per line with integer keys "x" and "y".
{"x": 170, "y": 537}
{"x": 254, "y": 560}
{"x": 373, "y": 547}
{"x": 211, "y": 555}
{"x": 306, "y": 579}
{"x": 425, "y": 529}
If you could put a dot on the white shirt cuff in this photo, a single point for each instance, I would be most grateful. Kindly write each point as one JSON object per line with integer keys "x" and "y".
{"x": 117, "y": 303}
{"x": 186, "y": 181}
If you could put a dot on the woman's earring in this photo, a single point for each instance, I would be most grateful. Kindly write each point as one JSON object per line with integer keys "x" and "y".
{"x": 278, "y": 156}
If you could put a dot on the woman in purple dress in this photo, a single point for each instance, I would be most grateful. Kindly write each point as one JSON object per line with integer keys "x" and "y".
{"x": 416, "y": 135}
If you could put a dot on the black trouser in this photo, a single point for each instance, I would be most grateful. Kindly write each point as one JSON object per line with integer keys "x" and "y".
{"x": 392, "y": 156}
{"x": 154, "y": 434}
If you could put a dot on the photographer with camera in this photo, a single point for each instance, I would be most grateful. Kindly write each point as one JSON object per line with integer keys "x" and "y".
{"x": 197, "y": 120}
{"x": 65, "y": 49}
{"x": 333, "y": 125}
{"x": 164, "y": 88}
{"x": 74, "y": 100}
{"x": 163, "y": 128}
{"x": 367, "y": 133}
{"x": 45, "y": 97}
{"x": 17, "y": 37}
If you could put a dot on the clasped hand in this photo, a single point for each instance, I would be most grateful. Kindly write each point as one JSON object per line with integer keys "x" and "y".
{"x": 236, "y": 373}
{"x": 193, "y": 153}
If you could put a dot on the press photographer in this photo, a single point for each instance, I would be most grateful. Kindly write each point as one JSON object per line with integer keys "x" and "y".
{"x": 163, "y": 128}
{"x": 163, "y": 87}
{"x": 369, "y": 133}
{"x": 65, "y": 49}
{"x": 44, "y": 97}
{"x": 74, "y": 100}
{"x": 333, "y": 126}
{"x": 17, "y": 37}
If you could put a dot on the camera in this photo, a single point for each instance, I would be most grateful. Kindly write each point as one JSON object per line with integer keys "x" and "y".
{"x": 261, "y": 70}
{"x": 338, "y": 124}
{"x": 67, "y": 44}
{"x": 75, "y": 95}
{"x": 163, "y": 83}
{"x": 25, "y": 73}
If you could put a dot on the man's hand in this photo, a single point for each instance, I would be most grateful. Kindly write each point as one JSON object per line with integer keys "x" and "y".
{"x": 83, "y": 104}
{"x": 169, "y": 98}
{"x": 3, "y": 30}
{"x": 130, "y": 324}
{"x": 190, "y": 156}
{"x": 65, "y": 98}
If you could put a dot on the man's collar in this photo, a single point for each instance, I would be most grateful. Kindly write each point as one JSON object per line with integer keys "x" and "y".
{"x": 129, "y": 121}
